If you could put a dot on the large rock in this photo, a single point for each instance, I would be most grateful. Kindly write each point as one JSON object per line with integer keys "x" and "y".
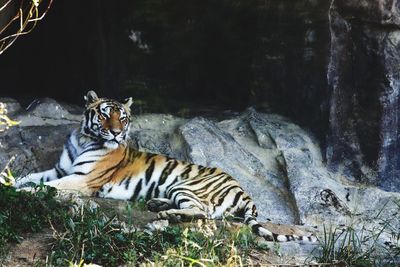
{"x": 38, "y": 140}
{"x": 277, "y": 162}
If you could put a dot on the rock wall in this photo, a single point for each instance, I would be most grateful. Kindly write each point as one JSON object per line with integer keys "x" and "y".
{"x": 363, "y": 78}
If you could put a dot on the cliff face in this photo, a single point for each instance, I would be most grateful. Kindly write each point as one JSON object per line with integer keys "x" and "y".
{"x": 333, "y": 66}
{"x": 363, "y": 81}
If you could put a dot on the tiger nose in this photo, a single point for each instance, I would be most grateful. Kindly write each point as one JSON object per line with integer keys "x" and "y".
{"x": 115, "y": 132}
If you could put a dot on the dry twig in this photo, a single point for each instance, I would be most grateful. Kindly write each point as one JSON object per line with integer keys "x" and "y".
{"x": 28, "y": 14}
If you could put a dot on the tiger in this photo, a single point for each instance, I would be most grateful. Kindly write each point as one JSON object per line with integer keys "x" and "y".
{"x": 98, "y": 160}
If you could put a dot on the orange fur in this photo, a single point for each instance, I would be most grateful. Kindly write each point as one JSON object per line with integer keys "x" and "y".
{"x": 106, "y": 169}
{"x": 116, "y": 166}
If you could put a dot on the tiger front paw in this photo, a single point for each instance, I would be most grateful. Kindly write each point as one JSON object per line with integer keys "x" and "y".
{"x": 170, "y": 216}
{"x": 158, "y": 204}
{"x": 20, "y": 183}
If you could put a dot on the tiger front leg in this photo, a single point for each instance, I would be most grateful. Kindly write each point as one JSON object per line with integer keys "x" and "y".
{"x": 36, "y": 178}
{"x": 61, "y": 169}
{"x": 73, "y": 182}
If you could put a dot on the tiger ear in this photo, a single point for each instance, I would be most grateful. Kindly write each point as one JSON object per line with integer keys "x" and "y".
{"x": 128, "y": 103}
{"x": 90, "y": 97}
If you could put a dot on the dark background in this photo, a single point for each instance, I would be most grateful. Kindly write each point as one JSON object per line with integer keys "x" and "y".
{"x": 331, "y": 66}
{"x": 201, "y": 54}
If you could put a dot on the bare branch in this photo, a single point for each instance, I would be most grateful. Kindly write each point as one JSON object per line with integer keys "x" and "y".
{"x": 5, "y": 5}
{"x": 27, "y": 16}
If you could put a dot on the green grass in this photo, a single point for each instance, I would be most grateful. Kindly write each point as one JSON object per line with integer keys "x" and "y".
{"x": 92, "y": 237}
{"x": 95, "y": 238}
{"x": 362, "y": 247}
{"x": 25, "y": 212}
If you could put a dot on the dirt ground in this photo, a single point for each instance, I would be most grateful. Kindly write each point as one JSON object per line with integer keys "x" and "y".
{"x": 32, "y": 249}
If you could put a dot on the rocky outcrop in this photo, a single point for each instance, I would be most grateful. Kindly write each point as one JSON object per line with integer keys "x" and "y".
{"x": 277, "y": 162}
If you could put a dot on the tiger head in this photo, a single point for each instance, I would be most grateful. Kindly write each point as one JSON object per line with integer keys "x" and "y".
{"x": 106, "y": 120}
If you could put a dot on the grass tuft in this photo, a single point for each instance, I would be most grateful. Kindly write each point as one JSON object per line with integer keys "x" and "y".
{"x": 363, "y": 246}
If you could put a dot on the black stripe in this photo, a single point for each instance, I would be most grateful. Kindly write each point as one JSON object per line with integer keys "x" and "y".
{"x": 86, "y": 130}
{"x": 255, "y": 228}
{"x": 137, "y": 190}
{"x": 122, "y": 180}
{"x": 67, "y": 147}
{"x": 83, "y": 162}
{"x": 91, "y": 117}
{"x": 86, "y": 117}
{"x": 167, "y": 171}
{"x": 205, "y": 179}
{"x": 246, "y": 198}
{"x": 127, "y": 182}
{"x": 58, "y": 173}
{"x": 206, "y": 186}
{"x": 73, "y": 148}
{"x": 180, "y": 192}
{"x": 171, "y": 185}
{"x": 275, "y": 236}
{"x": 218, "y": 189}
{"x": 91, "y": 148}
{"x": 202, "y": 169}
{"x": 227, "y": 189}
{"x": 149, "y": 171}
{"x": 114, "y": 167}
{"x": 81, "y": 173}
{"x": 161, "y": 179}
{"x": 156, "y": 192}
{"x": 133, "y": 154}
{"x": 187, "y": 197}
{"x": 222, "y": 197}
{"x": 150, "y": 191}
{"x": 212, "y": 170}
{"x": 188, "y": 169}
{"x": 173, "y": 190}
{"x": 237, "y": 197}
{"x": 149, "y": 157}
{"x": 248, "y": 219}
{"x": 183, "y": 200}
{"x": 195, "y": 182}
